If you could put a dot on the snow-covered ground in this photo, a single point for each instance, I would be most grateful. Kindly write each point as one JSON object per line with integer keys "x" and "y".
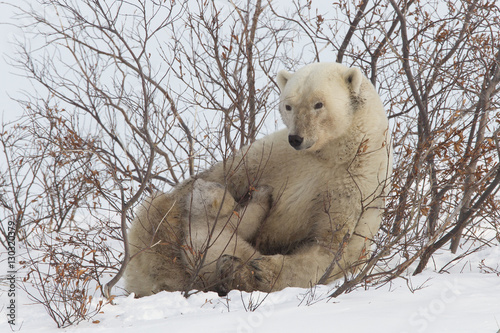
{"x": 465, "y": 299}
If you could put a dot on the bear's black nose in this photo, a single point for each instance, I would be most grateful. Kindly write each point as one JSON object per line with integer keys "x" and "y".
{"x": 295, "y": 140}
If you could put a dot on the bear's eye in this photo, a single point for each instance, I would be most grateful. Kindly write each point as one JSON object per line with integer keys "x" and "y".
{"x": 318, "y": 106}
{"x": 288, "y": 107}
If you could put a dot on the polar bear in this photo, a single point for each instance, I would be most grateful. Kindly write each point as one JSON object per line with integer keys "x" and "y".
{"x": 215, "y": 225}
{"x": 177, "y": 238}
{"x": 329, "y": 171}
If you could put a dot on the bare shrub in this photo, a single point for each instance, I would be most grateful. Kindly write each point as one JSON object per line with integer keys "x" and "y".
{"x": 134, "y": 97}
{"x": 63, "y": 271}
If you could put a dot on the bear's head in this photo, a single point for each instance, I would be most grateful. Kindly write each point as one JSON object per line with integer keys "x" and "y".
{"x": 209, "y": 199}
{"x": 318, "y": 102}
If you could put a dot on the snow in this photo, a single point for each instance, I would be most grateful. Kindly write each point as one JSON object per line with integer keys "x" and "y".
{"x": 464, "y": 299}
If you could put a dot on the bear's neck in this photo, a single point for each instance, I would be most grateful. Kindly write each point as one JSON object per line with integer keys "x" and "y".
{"x": 343, "y": 150}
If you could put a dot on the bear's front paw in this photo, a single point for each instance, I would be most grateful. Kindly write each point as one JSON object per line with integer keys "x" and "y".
{"x": 233, "y": 273}
{"x": 267, "y": 271}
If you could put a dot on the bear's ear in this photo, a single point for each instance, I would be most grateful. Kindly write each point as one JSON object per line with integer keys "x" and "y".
{"x": 353, "y": 78}
{"x": 282, "y": 78}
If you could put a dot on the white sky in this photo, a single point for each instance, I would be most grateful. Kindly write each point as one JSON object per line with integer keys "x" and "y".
{"x": 10, "y": 84}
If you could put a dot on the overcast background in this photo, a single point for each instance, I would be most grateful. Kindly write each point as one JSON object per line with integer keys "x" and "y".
{"x": 10, "y": 84}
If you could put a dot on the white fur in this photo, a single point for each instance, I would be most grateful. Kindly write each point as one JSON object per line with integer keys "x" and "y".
{"x": 215, "y": 226}
{"x": 330, "y": 184}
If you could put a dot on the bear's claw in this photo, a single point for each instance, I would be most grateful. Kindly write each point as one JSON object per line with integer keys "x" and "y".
{"x": 233, "y": 273}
